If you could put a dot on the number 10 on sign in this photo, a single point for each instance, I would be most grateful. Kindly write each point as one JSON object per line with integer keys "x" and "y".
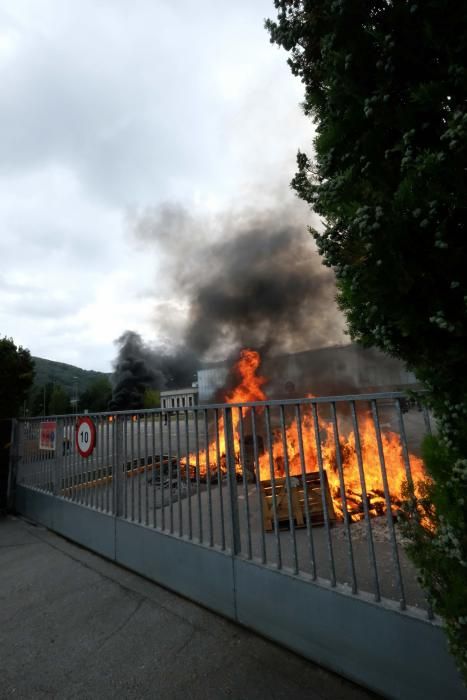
{"x": 85, "y": 436}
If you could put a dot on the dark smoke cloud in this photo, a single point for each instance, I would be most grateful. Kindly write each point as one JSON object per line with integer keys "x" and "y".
{"x": 140, "y": 366}
{"x": 248, "y": 279}
{"x": 242, "y": 280}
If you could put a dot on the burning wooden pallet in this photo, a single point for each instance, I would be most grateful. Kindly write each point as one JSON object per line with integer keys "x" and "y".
{"x": 297, "y": 497}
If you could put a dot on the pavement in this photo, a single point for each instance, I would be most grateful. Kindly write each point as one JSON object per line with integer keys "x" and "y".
{"x": 74, "y": 625}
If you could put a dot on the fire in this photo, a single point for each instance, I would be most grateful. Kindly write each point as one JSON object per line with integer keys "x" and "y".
{"x": 302, "y": 431}
{"x": 247, "y": 389}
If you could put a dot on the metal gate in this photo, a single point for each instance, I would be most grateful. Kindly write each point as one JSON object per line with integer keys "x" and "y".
{"x": 281, "y": 515}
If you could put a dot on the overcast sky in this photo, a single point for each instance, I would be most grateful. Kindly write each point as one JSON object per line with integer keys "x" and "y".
{"x": 111, "y": 108}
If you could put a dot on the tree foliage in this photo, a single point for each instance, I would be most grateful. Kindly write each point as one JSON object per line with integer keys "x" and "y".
{"x": 16, "y": 377}
{"x": 59, "y": 402}
{"x": 97, "y": 396}
{"x": 386, "y": 86}
{"x": 152, "y": 398}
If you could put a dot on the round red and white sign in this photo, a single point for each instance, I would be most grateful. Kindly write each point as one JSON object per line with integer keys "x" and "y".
{"x": 85, "y": 436}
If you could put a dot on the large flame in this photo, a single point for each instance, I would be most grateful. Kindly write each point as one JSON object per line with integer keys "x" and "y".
{"x": 302, "y": 430}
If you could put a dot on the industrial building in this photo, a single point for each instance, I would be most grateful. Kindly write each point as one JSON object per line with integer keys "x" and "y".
{"x": 325, "y": 371}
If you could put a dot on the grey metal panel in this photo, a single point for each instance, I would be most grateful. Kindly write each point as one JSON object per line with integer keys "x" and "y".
{"x": 200, "y": 573}
{"x": 36, "y": 505}
{"x": 390, "y": 652}
{"x": 86, "y": 526}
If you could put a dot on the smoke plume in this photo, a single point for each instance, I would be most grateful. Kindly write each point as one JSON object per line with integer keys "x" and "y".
{"x": 140, "y": 366}
{"x": 247, "y": 279}
{"x": 244, "y": 279}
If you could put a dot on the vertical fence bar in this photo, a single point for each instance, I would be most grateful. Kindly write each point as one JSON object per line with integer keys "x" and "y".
{"x": 188, "y": 475}
{"x": 208, "y": 479}
{"x": 108, "y": 470}
{"x": 100, "y": 462}
{"x": 219, "y": 477}
{"x": 405, "y": 451}
{"x": 361, "y": 471}
{"x": 323, "y": 483}
{"x": 387, "y": 496}
{"x": 14, "y": 464}
{"x": 79, "y": 493}
{"x": 161, "y": 471}
{"x": 232, "y": 481}
{"x": 289, "y": 490}
{"x": 154, "y": 473}
{"x": 69, "y": 446}
{"x": 138, "y": 469}
{"x": 118, "y": 466}
{"x": 146, "y": 470}
{"x": 74, "y": 485}
{"x": 169, "y": 441}
{"x": 408, "y": 472}
{"x": 179, "y": 476}
{"x": 198, "y": 485}
{"x": 64, "y": 492}
{"x": 257, "y": 471}
{"x": 267, "y": 417}
{"x": 58, "y": 475}
{"x": 306, "y": 504}
{"x": 126, "y": 486}
{"x": 87, "y": 464}
{"x": 244, "y": 477}
{"x": 345, "y": 510}
{"x": 132, "y": 465}
{"x": 93, "y": 462}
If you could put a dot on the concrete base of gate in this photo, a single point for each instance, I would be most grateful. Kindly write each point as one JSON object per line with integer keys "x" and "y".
{"x": 399, "y": 655}
{"x": 395, "y": 654}
{"x": 197, "y": 572}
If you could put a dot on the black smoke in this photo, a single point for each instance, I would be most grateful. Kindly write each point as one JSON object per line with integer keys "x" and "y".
{"x": 246, "y": 279}
{"x": 140, "y": 366}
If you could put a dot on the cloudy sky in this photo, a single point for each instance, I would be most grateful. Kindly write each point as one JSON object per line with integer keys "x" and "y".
{"x": 110, "y": 109}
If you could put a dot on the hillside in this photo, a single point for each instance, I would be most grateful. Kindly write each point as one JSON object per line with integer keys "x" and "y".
{"x": 64, "y": 375}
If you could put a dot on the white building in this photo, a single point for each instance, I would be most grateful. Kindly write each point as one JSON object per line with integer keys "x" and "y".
{"x": 179, "y": 398}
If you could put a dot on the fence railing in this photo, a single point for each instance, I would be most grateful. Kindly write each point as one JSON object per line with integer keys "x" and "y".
{"x": 313, "y": 487}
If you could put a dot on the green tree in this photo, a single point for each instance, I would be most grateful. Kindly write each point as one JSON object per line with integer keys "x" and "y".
{"x": 152, "y": 398}
{"x": 386, "y": 86}
{"x": 97, "y": 395}
{"x": 16, "y": 377}
{"x": 39, "y": 399}
{"x": 59, "y": 402}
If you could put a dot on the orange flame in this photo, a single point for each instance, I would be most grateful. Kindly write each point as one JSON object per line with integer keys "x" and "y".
{"x": 302, "y": 432}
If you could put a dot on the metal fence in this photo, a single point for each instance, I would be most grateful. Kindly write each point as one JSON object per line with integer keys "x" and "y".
{"x": 312, "y": 486}
{"x": 280, "y": 515}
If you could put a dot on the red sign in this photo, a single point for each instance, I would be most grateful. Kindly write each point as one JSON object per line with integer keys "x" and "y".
{"x": 85, "y": 436}
{"x": 48, "y": 435}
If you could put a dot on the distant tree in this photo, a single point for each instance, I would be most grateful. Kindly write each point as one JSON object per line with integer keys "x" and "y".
{"x": 152, "y": 398}
{"x": 16, "y": 377}
{"x": 386, "y": 86}
{"x": 39, "y": 399}
{"x": 97, "y": 396}
{"x": 59, "y": 402}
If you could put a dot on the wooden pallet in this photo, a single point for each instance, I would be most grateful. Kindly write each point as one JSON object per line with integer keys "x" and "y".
{"x": 315, "y": 501}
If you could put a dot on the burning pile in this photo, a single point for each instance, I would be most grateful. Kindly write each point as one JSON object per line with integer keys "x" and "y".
{"x": 303, "y": 449}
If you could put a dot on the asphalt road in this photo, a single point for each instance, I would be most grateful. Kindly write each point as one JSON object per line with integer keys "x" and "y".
{"x": 73, "y": 625}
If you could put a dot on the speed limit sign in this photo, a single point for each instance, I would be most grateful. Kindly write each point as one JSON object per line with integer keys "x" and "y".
{"x": 85, "y": 436}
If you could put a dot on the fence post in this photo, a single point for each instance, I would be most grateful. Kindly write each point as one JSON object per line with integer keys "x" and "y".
{"x": 14, "y": 457}
{"x": 59, "y": 457}
{"x": 232, "y": 481}
{"x": 117, "y": 466}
